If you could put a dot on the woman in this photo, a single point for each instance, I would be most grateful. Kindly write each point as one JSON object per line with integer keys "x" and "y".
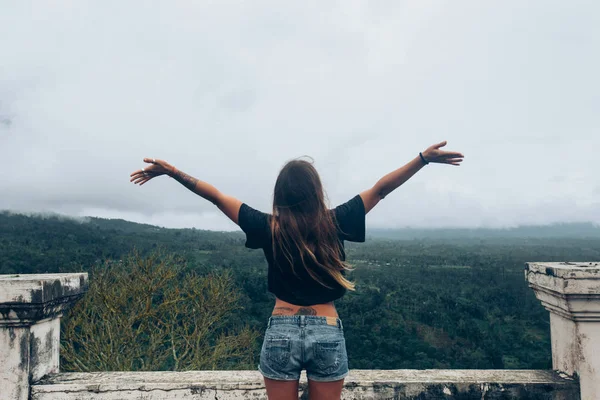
{"x": 303, "y": 243}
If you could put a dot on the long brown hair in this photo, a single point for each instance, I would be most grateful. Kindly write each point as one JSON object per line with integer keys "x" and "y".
{"x": 303, "y": 225}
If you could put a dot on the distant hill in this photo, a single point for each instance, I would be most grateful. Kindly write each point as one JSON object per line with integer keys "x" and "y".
{"x": 53, "y": 243}
{"x": 16, "y": 220}
{"x": 565, "y": 230}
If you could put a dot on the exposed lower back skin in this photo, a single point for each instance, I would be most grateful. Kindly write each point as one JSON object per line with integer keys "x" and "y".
{"x": 323, "y": 310}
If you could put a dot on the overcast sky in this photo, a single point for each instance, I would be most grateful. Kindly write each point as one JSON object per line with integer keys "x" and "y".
{"x": 228, "y": 91}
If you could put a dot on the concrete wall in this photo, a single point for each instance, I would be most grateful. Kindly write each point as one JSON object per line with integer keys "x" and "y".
{"x": 30, "y": 311}
{"x": 360, "y": 384}
{"x": 571, "y": 293}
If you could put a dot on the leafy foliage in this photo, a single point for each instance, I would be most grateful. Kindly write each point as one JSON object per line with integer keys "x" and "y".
{"x": 437, "y": 301}
{"x": 146, "y": 313}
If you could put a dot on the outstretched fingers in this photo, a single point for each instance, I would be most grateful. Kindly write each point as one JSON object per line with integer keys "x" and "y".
{"x": 452, "y": 161}
{"x": 138, "y": 178}
{"x": 440, "y": 144}
{"x": 150, "y": 160}
{"x": 141, "y": 179}
{"x": 451, "y": 154}
{"x": 143, "y": 175}
{"x": 436, "y": 155}
{"x": 141, "y": 182}
{"x": 136, "y": 173}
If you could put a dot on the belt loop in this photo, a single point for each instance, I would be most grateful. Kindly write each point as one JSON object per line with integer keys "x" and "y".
{"x": 340, "y": 324}
{"x": 269, "y": 323}
{"x": 302, "y": 321}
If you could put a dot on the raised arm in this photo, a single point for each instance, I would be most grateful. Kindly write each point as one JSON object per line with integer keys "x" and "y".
{"x": 228, "y": 204}
{"x": 394, "y": 179}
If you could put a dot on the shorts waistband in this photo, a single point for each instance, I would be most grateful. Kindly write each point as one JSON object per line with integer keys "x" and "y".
{"x": 303, "y": 320}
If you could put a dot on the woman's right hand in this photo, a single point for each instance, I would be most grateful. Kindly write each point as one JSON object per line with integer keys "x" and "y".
{"x": 156, "y": 168}
{"x": 433, "y": 154}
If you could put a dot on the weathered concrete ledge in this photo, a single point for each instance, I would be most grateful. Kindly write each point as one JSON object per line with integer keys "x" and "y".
{"x": 27, "y": 299}
{"x": 30, "y": 311}
{"x": 571, "y": 292}
{"x": 359, "y": 384}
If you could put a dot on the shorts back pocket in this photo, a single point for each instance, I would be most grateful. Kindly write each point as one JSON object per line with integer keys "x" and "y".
{"x": 329, "y": 355}
{"x": 278, "y": 351}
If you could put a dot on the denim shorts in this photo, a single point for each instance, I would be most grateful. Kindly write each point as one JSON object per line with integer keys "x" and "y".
{"x": 296, "y": 342}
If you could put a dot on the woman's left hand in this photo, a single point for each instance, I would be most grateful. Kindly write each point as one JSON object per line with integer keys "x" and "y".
{"x": 433, "y": 154}
{"x": 156, "y": 168}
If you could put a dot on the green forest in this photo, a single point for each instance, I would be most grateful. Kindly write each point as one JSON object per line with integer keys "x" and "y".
{"x": 424, "y": 299}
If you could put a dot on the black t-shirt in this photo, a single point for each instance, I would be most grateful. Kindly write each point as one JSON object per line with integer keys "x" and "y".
{"x": 302, "y": 289}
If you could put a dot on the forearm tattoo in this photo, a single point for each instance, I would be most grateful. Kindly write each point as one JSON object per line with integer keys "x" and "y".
{"x": 306, "y": 311}
{"x": 186, "y": 180}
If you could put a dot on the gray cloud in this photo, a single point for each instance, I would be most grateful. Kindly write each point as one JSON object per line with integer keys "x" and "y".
{"x": 228, "y": 91}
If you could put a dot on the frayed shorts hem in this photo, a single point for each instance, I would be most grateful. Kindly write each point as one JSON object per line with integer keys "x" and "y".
{"x": 328, "y": 379}
{"x": 277, "y": 378}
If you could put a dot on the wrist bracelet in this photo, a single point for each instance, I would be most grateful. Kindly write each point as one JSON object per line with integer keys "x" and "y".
{"x": 423, "y": 158}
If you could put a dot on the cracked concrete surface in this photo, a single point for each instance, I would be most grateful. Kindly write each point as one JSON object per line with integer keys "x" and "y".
{"x": 360, "y": 384}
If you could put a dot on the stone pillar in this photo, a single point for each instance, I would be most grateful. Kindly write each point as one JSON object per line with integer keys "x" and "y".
{"x": 30, "y": 311}
{"x": 571, "y": 292}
